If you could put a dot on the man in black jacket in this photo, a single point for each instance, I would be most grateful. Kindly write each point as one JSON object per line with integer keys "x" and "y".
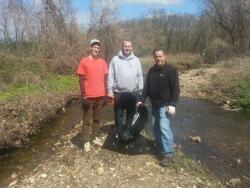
{"x": 162, "y": 88}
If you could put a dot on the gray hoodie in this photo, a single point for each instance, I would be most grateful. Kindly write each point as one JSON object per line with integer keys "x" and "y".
{"x": 125, "y": 74}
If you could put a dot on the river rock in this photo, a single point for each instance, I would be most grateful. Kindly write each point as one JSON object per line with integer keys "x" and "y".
{"x": 238, "y": 162}
{"x": 225, "y": 107}
{"x": 110, "y": 123}
{"x": 13, "y": 183}
{"x": 87, "y": 147}
{"x": 111, "y": 169}
{"x": 233, "y": 182}
{"x": 212, "y": 157}
{"x": 78, "y": 126}
{"x": 246, "y": 178}
{"x": 14, "y": 175}
{"x": 151, "y": 174}
{"x": 100, "y": 170}
{"x": 149, "y": 164}
{"x": 31, "y": 180}
{"x": 98, "y": 141}
{"x": 43, "y": 176}
{"x": 57, "y": 144}
{"x": 141, "y": 179}
{"x": 195, "y": 139}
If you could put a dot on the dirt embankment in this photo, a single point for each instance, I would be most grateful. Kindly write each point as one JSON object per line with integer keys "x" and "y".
{"x": 199, "y": 84}
{"x": 21, "y": 118}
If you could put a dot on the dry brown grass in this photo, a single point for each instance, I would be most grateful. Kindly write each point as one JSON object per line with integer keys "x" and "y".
{"x": 184, "y": 58}
{"x": 229, "y": 71}
{"x": 2, "y": 85}
{"x": 238, "y": 67}
{"x": 182, "y": 61}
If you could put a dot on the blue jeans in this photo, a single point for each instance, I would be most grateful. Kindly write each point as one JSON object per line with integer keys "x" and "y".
{"x": 162, "y": 130}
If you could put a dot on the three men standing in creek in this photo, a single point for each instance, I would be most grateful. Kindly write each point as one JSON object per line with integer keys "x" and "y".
{"x": 124, "y": 82}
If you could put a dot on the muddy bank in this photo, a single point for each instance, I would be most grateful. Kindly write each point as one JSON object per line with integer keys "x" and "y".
{"x": 21, "y": 118}
{"x": 107, "y": 165}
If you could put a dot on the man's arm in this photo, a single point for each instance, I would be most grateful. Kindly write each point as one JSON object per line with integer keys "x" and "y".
{"x": 145, "y": 91}
{"x": 106, "y": 84}
{"x": 80, "y": 71}
{"x": 105, "y": 72}
{"x": 140, "y": 77}
{"x": 84, "y": 99}
{"x": 110, "y": 79}
{"x": 174, "y": 88}
{"x": 174, "y": 92}
{"x": 81, "y": 83}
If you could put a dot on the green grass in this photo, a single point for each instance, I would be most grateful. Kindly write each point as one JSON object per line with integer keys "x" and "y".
{"x": 25, "y": 76}
{"x": 61, "y": 83}
{"x": 243, "y": 91}
{"x": 53, "y": 84}
{"x": 17, "y": 90}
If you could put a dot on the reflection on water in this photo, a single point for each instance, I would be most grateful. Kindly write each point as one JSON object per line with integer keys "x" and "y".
{"x": 225, "y": 139}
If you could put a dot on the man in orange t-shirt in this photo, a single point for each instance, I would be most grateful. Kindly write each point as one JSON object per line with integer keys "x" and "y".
{"x": 92, "y": 71}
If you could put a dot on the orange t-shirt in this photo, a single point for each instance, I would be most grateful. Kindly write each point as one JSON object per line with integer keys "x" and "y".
{"x": 94, "y": 71}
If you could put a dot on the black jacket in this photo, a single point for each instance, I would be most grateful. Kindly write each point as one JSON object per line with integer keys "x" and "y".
{"x": 161, "y": 86}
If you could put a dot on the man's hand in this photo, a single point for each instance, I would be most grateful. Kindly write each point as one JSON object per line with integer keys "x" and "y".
{"x": 138, "y": 104}
{"x": 111, "y": 95}
{"x": 85, "y": 102}
{"x": 105, "y": 100}
{"x": 170, "y": 110}
{"x": 110, "y": 98}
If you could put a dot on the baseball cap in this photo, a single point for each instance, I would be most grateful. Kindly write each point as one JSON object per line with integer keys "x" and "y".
{"x": 93, "y": 41}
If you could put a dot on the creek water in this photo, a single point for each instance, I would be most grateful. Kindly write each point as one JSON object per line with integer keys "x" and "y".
{"x": 225, "y": 146}
{"x": 224, "y": 150}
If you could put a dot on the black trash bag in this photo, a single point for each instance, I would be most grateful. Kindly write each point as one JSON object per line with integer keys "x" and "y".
{"x": 130, "y": 133}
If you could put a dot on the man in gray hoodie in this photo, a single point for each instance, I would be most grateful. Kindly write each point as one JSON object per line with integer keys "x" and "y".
{"x": 125, "y": 83}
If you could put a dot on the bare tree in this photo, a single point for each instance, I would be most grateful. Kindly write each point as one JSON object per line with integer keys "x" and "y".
{"x": 4, "y": 26}
{"x": 232, "y": 18}
{"x": 17, "y": 22}
{"x": 103, "y": 15}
